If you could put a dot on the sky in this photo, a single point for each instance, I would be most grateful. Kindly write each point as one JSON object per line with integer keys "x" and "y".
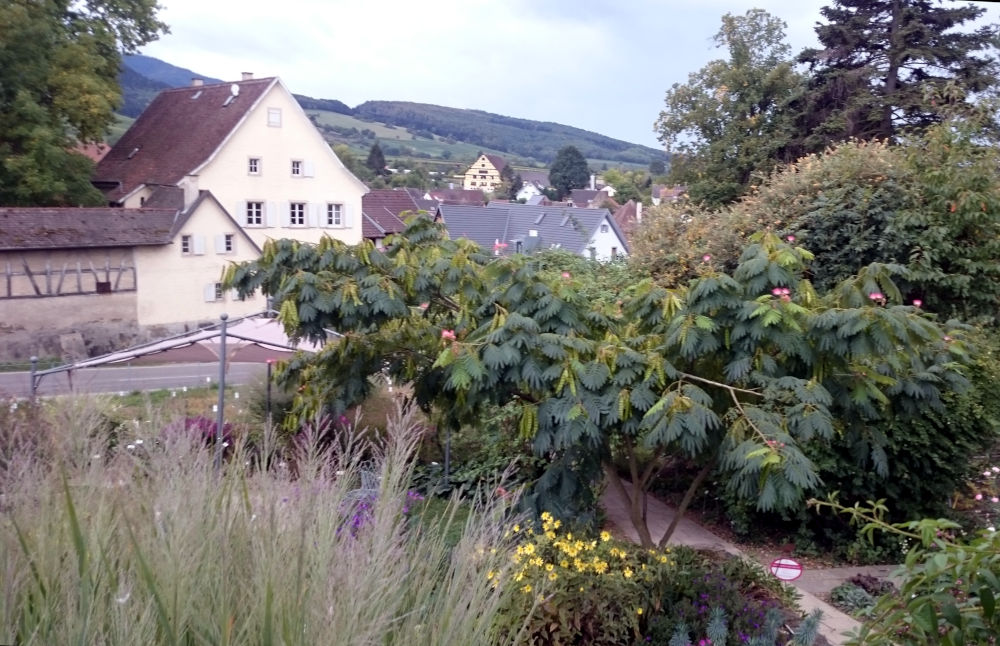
{"x": 601, "y": 65}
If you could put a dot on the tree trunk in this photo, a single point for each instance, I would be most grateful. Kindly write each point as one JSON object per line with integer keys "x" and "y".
{"x": 890, "y": 88}
{"x": 686, "y": 501}
{"x": 633, "y": 503}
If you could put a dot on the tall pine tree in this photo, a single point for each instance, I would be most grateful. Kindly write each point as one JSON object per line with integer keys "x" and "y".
{"x": 880, "y": 62}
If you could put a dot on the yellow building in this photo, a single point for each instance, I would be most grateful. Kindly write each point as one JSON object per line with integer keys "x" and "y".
{"x": 484, "y": 174}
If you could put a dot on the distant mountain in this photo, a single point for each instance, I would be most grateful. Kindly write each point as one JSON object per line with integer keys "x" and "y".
{"x": 536, "y": 139}
{"x": 169, "y": 75}
{"x": 407, "y": 129}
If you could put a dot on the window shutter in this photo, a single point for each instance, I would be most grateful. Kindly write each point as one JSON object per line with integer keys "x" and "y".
{"x": 311, "y": 214}
{"x": 286, "y": 215}
{"x": 210, "y": 293}
{"x": 308, "y": 169}
{"x": 271, "y": 214}
{"x": 220, "y": 244}
{"x": 347, "y": 217}
{"x": 234, "y": 295}
{"x": 241, "y": 213}
{"x": 199, "y": 245}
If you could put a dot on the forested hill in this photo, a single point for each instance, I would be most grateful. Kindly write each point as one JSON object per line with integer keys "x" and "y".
{"x": 536, "y": 139}
{"x": 432, "y": 131}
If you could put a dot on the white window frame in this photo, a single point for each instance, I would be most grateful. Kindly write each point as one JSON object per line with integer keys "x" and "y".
{"x": 225, "y": 243}
{"x": 296, "y": 169}
{"x": 253, "y": 165}
{"x": 254, "y": 214}
{"x": 296, "y": 214}
{"x": 187, "y": 245}
{"x": 334, "y": 214}
{"x": 605, "y": 228}
{"x": 213, "y": 293}
{"x": 274, "y": 117}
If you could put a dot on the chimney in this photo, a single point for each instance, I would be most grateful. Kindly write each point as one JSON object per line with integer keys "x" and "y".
{"x": 197, "y": 82}
{"x": 638, "y": 211}
{"x": 593, "y": 182}
{"x": 247, "y": 76}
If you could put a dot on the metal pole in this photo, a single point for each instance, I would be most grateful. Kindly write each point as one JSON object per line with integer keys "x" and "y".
{"x": 34, "y": 383}
{"x": 220, "y": 417}
{"x": 270, "y": 420}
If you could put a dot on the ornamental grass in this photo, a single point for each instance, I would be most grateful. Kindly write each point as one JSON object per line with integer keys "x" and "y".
{"x": 104, "y": 544}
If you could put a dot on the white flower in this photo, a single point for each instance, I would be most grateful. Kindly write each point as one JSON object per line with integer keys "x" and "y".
{"x": 138, "y": 442}
{"x": 130, "y": 447}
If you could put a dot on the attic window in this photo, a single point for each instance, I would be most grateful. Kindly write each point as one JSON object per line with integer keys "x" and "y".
{"x": 604, "y": 228}
{"x": 274, "y": 117}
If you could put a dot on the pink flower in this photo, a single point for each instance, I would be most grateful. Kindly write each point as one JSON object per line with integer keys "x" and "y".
{"x": 424, "y": 306}
{"x": 995, "y": 469}
{"x": 707, "y": 257}
{"x": 565, "y": 274}
{"x": 917, "y": 302}
{"x": 979, "y": 496}
{"x": 876, "y": 296}
{"x": 786, "y": 291}
{"x": 790, "y": 238}
{"x": 987, "y": 473}
{"x": 946, "y": 339}
{"x": 448, "y": 335}
{"x": 776, "y": 291}
{"x": 994, "y": 499}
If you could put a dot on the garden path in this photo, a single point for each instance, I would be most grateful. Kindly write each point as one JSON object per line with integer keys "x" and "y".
{"x": 812, "y": 583}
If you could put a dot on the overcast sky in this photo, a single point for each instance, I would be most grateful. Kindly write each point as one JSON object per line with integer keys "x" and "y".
{"x": 602, "y": 65}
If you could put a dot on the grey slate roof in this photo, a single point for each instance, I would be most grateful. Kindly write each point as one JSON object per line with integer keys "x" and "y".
{"x": 559, "y": 226}
{"x": 74, "y": 227}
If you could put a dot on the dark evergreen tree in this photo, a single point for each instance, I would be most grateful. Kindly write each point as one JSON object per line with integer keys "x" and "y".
{"x": 376, "y": 160}
{"x": 880, "y": 62}
{"x": 569, "y": 171}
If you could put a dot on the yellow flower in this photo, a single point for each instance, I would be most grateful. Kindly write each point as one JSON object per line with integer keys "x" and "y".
{"x": 490, "y": 575}
{"x": 557, "y": 524}
{"x": 550, "y": 535}
{"x": 564, "y": 563}
{"x": 526, "y": 589}
{"x": 517, "y": 528}
{"x": 553, "y": 576}
{"x": 628, "y": 573}
{"x": 546, "y": 515}
{"x": 537, "y": 561}
{"x": 549, "y": 567}
{"x": 605, "y": 536}
{"x": 638, "y": 611}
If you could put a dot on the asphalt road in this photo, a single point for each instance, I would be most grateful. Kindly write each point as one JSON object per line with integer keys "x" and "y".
{"x": 129, "y": 378}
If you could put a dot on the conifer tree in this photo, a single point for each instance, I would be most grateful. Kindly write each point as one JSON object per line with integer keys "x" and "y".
{"x": 879, "y": 62}
{"x": 376, "y": 160}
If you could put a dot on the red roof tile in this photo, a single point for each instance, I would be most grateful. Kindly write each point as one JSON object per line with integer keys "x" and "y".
{"x": 178, "y": 132}
{"x": 382, "y": 208}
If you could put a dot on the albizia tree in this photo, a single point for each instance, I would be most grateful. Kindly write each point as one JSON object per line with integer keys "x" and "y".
{"x": 735, "y": 372}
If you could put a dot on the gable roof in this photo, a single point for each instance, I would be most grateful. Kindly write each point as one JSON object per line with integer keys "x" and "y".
{"x": 75, "y": 227}
{"x": 539, "y": 178}
{"x": 428, "y": 203}
{"x": 179, "y": 131}
{"x": 627, "y": 218}
{"x": 559, "y": 226}
{"x": 381, "y": 209}
{"x": 586, "y": 198}
{"x": 498, "y": 162}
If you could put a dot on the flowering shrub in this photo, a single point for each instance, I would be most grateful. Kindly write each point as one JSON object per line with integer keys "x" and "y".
{"x": 580, "y": 589}
{"x": 597, "y": 590}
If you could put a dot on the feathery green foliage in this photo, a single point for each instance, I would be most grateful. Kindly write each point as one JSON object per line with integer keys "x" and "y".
{"x": 737, "y": 371}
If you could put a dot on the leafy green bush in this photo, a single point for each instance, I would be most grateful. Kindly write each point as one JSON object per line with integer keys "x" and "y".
{"x": 851, "y": 598}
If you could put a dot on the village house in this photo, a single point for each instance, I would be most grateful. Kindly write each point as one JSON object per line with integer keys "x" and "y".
{"x": 219, "y": 170}
{"x": 504, "y": 228}
{"x": 484, "y": 174}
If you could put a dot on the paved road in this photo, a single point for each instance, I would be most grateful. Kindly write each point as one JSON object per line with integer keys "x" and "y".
{"x": 129, "y": 378}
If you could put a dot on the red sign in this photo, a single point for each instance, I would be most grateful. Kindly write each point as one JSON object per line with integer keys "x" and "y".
{"x": 786, "y": 569}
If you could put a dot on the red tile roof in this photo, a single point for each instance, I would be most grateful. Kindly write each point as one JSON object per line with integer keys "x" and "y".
{"x": 178, "y": 132}
{"x": 73, "y": 228}
{"x": 498, "y": 162}
{"x": 382, "y": 208}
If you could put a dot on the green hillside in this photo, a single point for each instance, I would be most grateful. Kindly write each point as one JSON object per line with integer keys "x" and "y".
{"x": 440, "y": 137}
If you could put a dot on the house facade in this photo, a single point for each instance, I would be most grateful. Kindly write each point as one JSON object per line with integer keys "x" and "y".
{"x": 216, "y": 171}
{"x": 484, "y": 174}
{"x": 83, "y": 281}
